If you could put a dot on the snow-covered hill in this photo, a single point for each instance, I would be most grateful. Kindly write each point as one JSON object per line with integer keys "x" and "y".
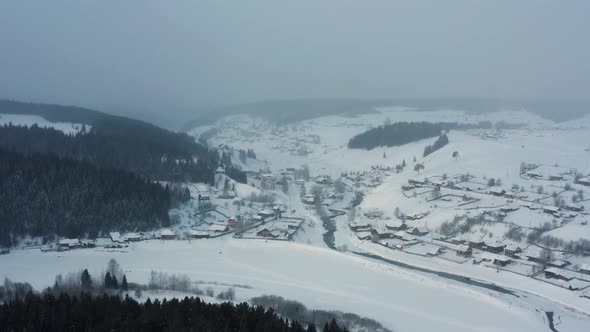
{"x": 30, "y": 120}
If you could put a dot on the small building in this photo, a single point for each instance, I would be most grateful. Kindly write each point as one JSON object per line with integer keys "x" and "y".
{"x": 363, "y": 235}
{"x": 402, "y": 235}
{"x": 382, "y": 233}
{"x": 167, "y": 234}
{"x": 266, "y": 213}
{"x": 132, "y": 237}
{"x": 585, "y": 268}
{"x": 396, "y": 225}
{"x": 536, "y": 254}
{"x": 220, "y": 170}
{"x": 512, "y": 250}
{"x": 115, "y": 236}
{"x": 584, "y": 181}
{"x": 495, "y": 247}
{"x": 496, "y": 259}
{"x": 309, "y": 199}
{"x": 575, "y": 208}
{"x": 464, "y": 250}
{"x": 204, "y": 197}
{"x": 418, "y": 231}
{"x": 265, "y": 232}
{"x": 476, "y": 242}
{"x": 435, "y": 251}
{"x": 67, "y": 244}
{"x": 359, "y": 226}
{"x": 232, "y": 222}
{"x": 417, "y": 216}
{"x": 498, "y": 192}
{"x": 535, "y": 175}
{"x": 196, "y": 234}
{"x": 555, "y": 273}
{"x": 218, "y": 228}
{"x": 551, "y": 209}
{"x": 559, "y": 263}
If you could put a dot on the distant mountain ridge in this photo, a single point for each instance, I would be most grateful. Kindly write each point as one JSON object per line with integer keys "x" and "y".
{"x": 294, "y": 110}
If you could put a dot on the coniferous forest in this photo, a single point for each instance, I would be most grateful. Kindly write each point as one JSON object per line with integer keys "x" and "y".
{"x": 49, "y": 312}
{"x": 401, "y": 133}
{"x": 44, "y": 195}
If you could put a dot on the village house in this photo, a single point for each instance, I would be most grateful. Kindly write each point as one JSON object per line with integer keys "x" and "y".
{"x": 382, "y": 233}
{"x": 67, "y": 244}
{"x": 218, "y": 228}
{"x": 196, "y": 234}
{"x": 536, "y": 254}
{"x": 496, "y": 259}
{"x": 232, "y": 222}
{"x": 512, "y": 250}
{"x": 585, "y": 268}
{"x": 266, "y": 213}
{"x": 495, "y": 247}
{"x": 584, "y": 181}
{"x": 220, "y": 170}
{"x": 560, "y": 263}
{"x": 556, "y": 273}
{"x": 396, "y": 225}
{"x": 418, "y": 231}
{"x": 553, "y": 210}
{"x": 132, "y": 237}
{"x": 357, "y": 226}
{"x": 476, "y": 242}
{"x": 167, "y": 234}
{"x": 497, "y": 192}
{"x": 535, "y": 175}
{"x": 265, "y": 232}
{"x": 435, "y": 251}
{"x": 402, "y": 235}
{"x": 363, "y": 235}
{"x": 464, "y": 250}
{"x": 309, "y": 199}
{"x": 115, "y": 237}
{"x": 267, "y": 181}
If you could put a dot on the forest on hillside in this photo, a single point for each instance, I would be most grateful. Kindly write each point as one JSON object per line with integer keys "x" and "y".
{"x": 150, "y": 152}
{"x": 400, "y": 133}
{"x": 44, "y": 195}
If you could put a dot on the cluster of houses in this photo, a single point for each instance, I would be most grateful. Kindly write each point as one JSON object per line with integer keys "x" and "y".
{"x": 279, "y": 229}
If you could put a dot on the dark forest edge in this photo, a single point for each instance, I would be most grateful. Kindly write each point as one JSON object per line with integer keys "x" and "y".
{"x": 46, "y": 195}
{"x": 400, "y": 133}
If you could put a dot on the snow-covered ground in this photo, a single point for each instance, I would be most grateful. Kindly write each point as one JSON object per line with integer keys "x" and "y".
{"x": 29, "y": 120}
{"x": 321, "y": 278}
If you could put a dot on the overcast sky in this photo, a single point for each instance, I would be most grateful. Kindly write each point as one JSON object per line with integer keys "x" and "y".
{"x": 179, "y": 56}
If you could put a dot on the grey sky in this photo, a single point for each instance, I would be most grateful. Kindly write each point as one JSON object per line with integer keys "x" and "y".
{"x": 156, "y": 56}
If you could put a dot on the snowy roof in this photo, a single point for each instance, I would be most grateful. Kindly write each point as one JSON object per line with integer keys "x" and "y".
{"x": 551, "y": 208}
{"x": 495, "y": 257}
{"x": 67, "y": 242}
{"x": 217, "y": 228}
{"x": 167, "y": 232}
{"x": 561, "y": 272}
{"x": 267, "y": 212}
{"x": 400, "y": 233}
{"x": 115, "y": 236}
{"x": 194, "y": 232}
{"x": 462, "y": 247}
{"x": 585, "y": 267}
{"x": 513, "y": 247}
{"x": 131, "y": 236}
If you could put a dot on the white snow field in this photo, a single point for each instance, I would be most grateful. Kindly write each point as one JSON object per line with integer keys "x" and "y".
{"x": 320, "y": 278}
{"x": 29, "y": 120}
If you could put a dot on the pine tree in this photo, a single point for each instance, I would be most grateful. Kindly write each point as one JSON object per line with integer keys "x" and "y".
{"x": 86, "y": 279}
{"x": 108, "y": 281}
{"x": 124, "y": 285}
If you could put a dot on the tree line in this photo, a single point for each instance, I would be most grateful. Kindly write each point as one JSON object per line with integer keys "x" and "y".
{"x": 52, "y": 312}
{"x": 401, "y": 133}
{"x": 47, "y": 195}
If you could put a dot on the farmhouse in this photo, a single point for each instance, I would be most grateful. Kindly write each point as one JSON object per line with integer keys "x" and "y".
{"x": 395, "y": 225}
{"x": 496, "y": 247}
{"x": 418, "y": 231}
{"x": 167, "y": 234}
{"x": 496, "y": 259}
{"x": 551, "y": 209}
{"x": 115, "y": 237}
{"x": 464, "y": 250}
{"x": 265, "y": 232}
{"x": 512, "y": 250}
{"x": 363, "y": 235}
{"x": 476, "y": 242}
{"x": 218, "y": 228}
{"x": 195, "y": 234}
{"x": 497, "y": 192}
{"x": 536, "y": 254}
{"x": 357, "y": 226}
{"x": 382, "y": 233}
{"x": 584, "y": 181}
{"x": 556, "y": 273}
{"x": 435, "y": 251}
{"x": 67, "y": 244}
{"x": 132, "y": 237}
{"x": 266, "y": 213}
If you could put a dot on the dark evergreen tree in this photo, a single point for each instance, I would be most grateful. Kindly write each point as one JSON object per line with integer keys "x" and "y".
{"x": 124, "y": 285}
{"x": 86, "y": 280}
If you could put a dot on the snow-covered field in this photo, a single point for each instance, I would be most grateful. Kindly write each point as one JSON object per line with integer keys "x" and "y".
{"x": 320, "y": 278}
{"x": 29, "y": 120}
